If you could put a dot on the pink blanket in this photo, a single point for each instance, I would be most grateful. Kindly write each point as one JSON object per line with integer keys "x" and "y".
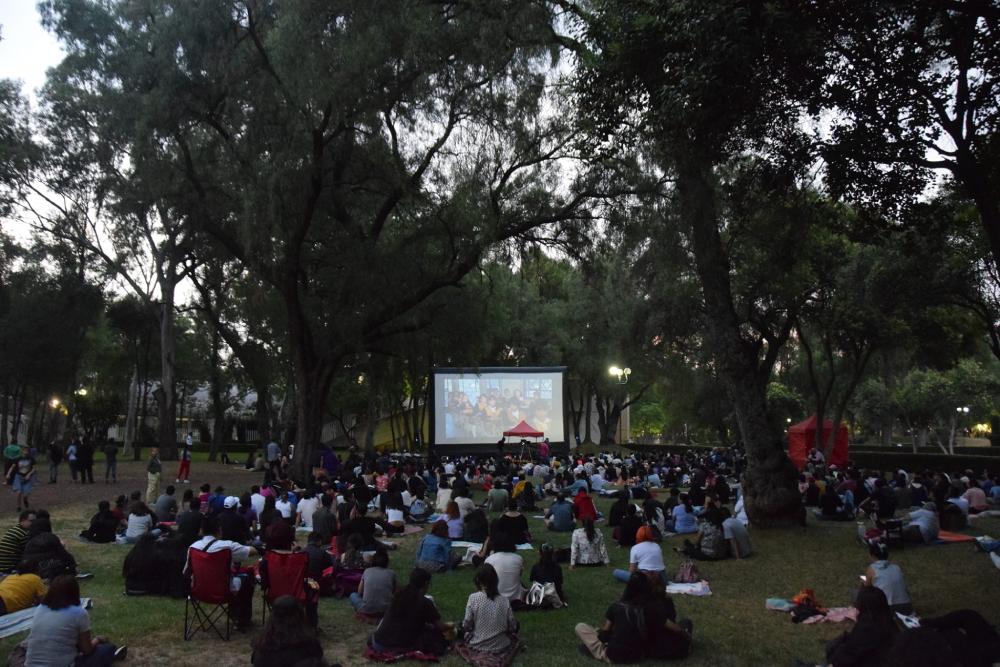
{"x": 834, "y": 615}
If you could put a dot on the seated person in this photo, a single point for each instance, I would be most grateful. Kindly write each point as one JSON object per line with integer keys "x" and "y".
{"x": 489, "y": 622}
{"x": 547, "y": 570}
{"x": 456, "y": 526}
{"x": 13, "y": 541}
{"x": 630, "y": 523}
{"x": 666, "y": 638}
{"x": 868, "y": 642}
{"x": 832, "y": 506}
{"x": 189, "y": 522}
{"x": 587, "y": 547}
{"x": 156, "y": 567}
{"x": 21, "y": 590}
{"x": 621, "y": 638}
{"x": 140, "y": 522}
{"x": 242, "y": 583}
{"x": 412, "y": 622}
{"x": 476, "y": 526}
{"x": 60, "y": 632}
{"x": 583, "y": 506}
{"x": 377, "y": 586}
{"x": 165, "y": 507}
{"x": 509, "y": 566}
{"x": 320, "y": 563}
{"x": 103, "y": 525}
{"x": 358, "y": 522}
{"x": 286, "y": 640}
{"x": 646, "y": 557}
{"x": 923, "y": 526}
{"x": 497, "y": 499}
{"x": 888, "y": 577}
{"x": 710, "y": 544}
{"x": 684, "y": 519}
{"x": 46, "y": 550}
{"x": 353, "y": 557}
{"x": 559, "y": 516}
{"x": 434, "y": 553}
{"x": 735, "y": 531}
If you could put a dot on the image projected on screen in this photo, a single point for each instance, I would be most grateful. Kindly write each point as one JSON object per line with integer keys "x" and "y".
{"x": 472, "y": 408}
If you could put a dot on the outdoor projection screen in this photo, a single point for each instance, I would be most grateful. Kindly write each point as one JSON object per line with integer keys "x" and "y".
{"x": 475, "y": 406}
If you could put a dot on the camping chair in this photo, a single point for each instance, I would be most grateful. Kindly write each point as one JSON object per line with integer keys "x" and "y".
{"x": 283, "y": 574}
{"x": 210, "y": 597}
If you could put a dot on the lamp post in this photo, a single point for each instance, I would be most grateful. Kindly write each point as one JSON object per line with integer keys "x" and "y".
{"x": 620, "y": 373}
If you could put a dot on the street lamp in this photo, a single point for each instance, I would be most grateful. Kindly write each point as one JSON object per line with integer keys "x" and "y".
{"x": 620, "y": 373}
{"x": 54, "y": 403}
{"x": 82, "y": 391}
{"x": 963, "y": 410}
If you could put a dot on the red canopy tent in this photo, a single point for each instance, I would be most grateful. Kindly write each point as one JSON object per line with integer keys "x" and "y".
{"x": 523, "y": 430}
{"x": 802, "y": 438}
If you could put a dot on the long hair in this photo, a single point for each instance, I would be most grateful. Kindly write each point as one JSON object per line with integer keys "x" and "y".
{"x": 285, "y": 627}
{"x": 408, "y": 597}
{"x": 487, "y": 580}
{"x": 588, "y": 529}
{"x": 873, "y": 609}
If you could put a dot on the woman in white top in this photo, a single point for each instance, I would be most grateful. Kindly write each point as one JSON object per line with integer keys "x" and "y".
{"x": 888, "y": 577}
{"x": 140, "y": 522}
{"x": 587, "y": 546}
{"x": 646, "y": 556}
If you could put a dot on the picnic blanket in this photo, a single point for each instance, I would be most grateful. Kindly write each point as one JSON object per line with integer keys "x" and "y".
{"x": 389, "y": 656}
{"x": 482, "y": 659}
{"x": 834, "y": 615}
{"x": 948, "y": 537}
{"x": 461, "y": 544}
{"x": 19, "y": 621}
{"x": 698, "y": 589}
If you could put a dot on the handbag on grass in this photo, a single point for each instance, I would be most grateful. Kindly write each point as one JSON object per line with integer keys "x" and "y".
{"x": 687, "y": 573}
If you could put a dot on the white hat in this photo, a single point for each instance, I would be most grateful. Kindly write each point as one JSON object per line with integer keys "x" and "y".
{"x": 231, "y": 502}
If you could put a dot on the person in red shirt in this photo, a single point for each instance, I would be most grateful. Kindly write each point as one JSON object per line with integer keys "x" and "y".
{"x": 583, "y": 506}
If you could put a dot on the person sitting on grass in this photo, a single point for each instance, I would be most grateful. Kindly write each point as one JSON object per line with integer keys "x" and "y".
{"x": 140, "y": 522}
{"x": 412, "y": 622}
{"x": 286, "y": 639}
{"x": 559, "y": 516}
{"x": 710, "y": 544}
{"x": 509, "y": 566}
{"x": 621, "y": 638}
{"x": 587, "y": 547}
{"x": 736, "y": 533}
{"x": 888, "y": 577}
{"x": 583, "y": 506}
{"x": 684, "y": 519}
{"x": 833, "y": 507}
{"x": 434, "y": 553}
{"x": 618, "y": 509}
{"x": 666, "y": 637}
{"x": 489, "y": 625}
{"x": 13, "y": 541}
{"x": 923, "y": 527}
{"x": 46, "y": 550}
{"x": 376, "y": 588}
{"x": 103, "y": 525}
{"x": 456, "y": 527}
{"x": 547, "y": 570}
{"x": 21, "y": 590}
{"x": 353, "y": 557}
{"x": 630, "y": 523}
{"x": 872, "y": 636}
{"x": 645, "y": 557}
{"x": 60, "y": 632}
{"x": 320, "y": 563}
{"x": 476, "y": 526}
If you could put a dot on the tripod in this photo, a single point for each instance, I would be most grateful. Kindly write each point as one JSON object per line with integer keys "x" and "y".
{"x": 525, "y": 452}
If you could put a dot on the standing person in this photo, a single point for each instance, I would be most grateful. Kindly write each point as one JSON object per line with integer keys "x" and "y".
{"x": 73, "y": 457}
{"x": 55, "y": 458}
{"x": 85, "y": 459}
{"x": 23, "y": 473}
{"x": 153, "y": 470}
{"x": 10, "y": 455}
{"x": 543, "y": 450}
{"x": 111, "y": 462}
{"x": 273, "y": 455}
{"x": 184, "y": 471}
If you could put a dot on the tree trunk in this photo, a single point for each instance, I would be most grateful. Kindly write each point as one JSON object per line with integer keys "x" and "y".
{"x": 167, "y": 397}
{"x": 130, "y": 412}
{"x": 312, "y": 385}
{"x": 215, "y": 393}
{"x": 770, "y": 481}
{"x": 15, "y": 427}
{"x": 4, "y": 416}
{"x": 588, "y": 397}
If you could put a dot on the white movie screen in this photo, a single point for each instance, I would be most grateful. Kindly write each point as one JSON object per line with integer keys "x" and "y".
{"x": 472, "y": 408}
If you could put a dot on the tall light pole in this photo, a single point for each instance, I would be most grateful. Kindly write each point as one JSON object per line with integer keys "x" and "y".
{"x": 620, "y": 373}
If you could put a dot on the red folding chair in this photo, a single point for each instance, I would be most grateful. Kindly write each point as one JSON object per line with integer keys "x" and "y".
{"x": 283, "y": 574}
{"x": 210, "y": 597}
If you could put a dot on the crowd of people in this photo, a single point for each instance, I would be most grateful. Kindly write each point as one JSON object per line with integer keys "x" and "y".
{"x": 348, "y": 509}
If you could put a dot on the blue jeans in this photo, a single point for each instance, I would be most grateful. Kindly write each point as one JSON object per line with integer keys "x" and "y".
{"x": 102, "y": 656}
{"x": 625, "y": 575}
{"x": 356, "y": 601}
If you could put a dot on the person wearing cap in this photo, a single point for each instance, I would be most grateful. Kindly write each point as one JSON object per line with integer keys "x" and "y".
{"x": 242, "y": 582}
{"x": 233, "y": 526}
{"x": 923, "y": 526}
{"x": 165, "y": 506}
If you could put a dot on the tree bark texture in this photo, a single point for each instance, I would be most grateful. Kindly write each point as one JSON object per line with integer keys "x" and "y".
{"x": 770, "y": 481}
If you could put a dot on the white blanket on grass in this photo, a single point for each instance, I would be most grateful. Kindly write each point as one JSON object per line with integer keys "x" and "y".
{"x": 699, "y": 589}
{"x": 460, "y": 544}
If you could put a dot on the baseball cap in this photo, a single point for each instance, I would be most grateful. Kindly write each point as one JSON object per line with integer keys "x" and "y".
{"x": 231, "y": 502}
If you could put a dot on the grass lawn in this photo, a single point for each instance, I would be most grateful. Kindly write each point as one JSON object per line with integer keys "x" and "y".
{"x": 730, "y": 628}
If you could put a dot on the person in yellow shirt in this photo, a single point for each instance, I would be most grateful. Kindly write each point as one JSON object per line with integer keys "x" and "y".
{"x": 22, "y": 590}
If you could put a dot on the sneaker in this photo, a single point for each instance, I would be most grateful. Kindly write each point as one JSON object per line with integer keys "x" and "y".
{"x": 121, "y": 653}
{"x": 177, "y": 481}
{"x": 84, "y": 575}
